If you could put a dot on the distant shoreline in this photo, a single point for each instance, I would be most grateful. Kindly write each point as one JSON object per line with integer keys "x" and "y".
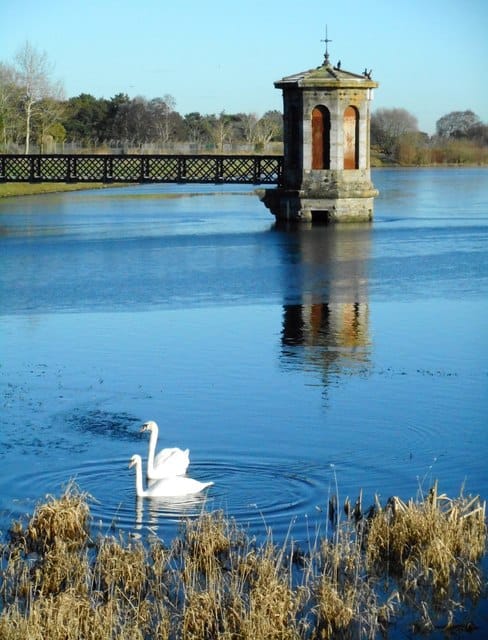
{"x": 21, "y": 189}
{"x": 16, "y": 189}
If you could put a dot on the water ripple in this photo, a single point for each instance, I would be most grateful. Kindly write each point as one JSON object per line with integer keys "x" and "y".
{"x": 250, "y": 493}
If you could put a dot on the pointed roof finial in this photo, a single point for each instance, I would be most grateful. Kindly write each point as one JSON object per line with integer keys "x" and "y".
{"x": 326, "y": 56}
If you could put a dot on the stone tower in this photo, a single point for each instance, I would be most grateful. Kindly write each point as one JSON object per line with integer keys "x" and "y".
{"x": 326, "y": 171}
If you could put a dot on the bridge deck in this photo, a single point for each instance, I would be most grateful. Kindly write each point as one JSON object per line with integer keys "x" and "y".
{"x": 218, "y": 169}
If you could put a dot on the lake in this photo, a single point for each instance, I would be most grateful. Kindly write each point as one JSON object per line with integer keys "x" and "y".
{"x": 293, "y": 363}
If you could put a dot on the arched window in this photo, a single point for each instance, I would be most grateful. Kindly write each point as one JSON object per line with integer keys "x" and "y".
{"x": 351, "y": 138}
{"x": 320, "y": 138}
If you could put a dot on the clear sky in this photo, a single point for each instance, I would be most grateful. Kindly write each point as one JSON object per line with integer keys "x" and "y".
{"x": 429, "y": 56}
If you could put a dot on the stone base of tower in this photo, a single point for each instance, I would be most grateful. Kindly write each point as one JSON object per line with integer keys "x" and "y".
{"x": 292, "y": 205}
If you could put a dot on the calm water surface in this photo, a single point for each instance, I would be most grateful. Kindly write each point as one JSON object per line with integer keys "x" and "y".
{"x": 287, "y": 361}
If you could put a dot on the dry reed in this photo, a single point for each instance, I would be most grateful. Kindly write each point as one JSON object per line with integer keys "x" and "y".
{"x": 216, "y": 583}
{"x": 431, "y": 549}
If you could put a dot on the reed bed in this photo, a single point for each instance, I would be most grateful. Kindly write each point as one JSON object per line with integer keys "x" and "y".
{"x": 416, "y": 561}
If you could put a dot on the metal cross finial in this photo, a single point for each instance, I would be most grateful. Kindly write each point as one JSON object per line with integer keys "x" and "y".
{"x": 326, "y": 56}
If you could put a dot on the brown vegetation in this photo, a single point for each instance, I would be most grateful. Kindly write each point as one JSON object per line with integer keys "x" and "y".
{"x": 215, "y": 582}
{"x": 414, "y": 152}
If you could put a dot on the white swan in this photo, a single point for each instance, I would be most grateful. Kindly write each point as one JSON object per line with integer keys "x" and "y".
{"x": 169, "y": 462}
{"x": 166, "y": 487}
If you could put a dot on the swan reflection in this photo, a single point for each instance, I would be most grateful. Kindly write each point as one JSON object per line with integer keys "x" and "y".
{"x": 150, "y": 511}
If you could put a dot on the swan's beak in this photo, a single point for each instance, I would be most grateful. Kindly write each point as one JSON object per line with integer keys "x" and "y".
{"x": 145, "y": 427}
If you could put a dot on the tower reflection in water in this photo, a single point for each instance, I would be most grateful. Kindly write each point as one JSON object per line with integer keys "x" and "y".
{"x": 327, "y": 322}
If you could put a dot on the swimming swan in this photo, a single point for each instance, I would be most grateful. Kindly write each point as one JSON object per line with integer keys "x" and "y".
{"x": 166, "y": 487}
{"x": 169, "y": 462}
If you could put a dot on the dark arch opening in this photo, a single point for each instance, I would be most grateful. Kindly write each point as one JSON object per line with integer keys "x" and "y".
{"x": 320, "y": 138}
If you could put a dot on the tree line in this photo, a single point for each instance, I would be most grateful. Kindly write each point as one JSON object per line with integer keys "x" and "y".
{"x": 34, "y": 112}
{"x": 124, "y": 122}
{"x": 35, "y": 116}
{"x": 460, "y": 137}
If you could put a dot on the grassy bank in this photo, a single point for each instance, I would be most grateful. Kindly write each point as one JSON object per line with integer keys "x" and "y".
{"x": 25, "y": 189}
{"x": 12, "y": 189}
{"x": 416, "y": 561}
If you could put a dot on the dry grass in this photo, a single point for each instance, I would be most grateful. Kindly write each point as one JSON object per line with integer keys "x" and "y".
{"x": 215, "y": 583}
{"x": 432, "y": 549}
{"x": 57, "y": 522}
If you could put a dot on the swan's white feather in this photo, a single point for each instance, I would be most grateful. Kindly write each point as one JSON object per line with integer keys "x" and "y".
{"x": 166, "y": 487}
{"x": 169, "y": 462}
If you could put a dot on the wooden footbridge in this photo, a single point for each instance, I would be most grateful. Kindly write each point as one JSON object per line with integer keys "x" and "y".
{"x": 217, "y": 169}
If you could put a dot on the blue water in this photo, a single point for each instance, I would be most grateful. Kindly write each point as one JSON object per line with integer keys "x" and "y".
{"x": 292, "y": 363}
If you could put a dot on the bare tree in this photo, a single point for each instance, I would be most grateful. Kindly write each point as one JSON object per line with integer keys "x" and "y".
{"x": 11, "y": 126}
{"x": 33, "y": 79}
{"x": 388, "y": 126}
{"x": 9, "y": 99}
{"x": 249, "y": 123}
{"x": 161, "y": 110}
{"x": 457, "y": 124}
{"x": 260, "y": 131}
{"x": 221, "y": 129}
{"x": 268, "y": 127}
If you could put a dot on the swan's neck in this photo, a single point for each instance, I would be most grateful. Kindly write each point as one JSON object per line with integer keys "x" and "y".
{"x": 152, "y": 447}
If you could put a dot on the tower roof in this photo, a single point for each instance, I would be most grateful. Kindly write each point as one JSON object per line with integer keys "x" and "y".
{"x": 328, "y": 75}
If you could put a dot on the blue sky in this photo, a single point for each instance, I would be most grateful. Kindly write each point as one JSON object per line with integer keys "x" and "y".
{"x": 429, "y": 56}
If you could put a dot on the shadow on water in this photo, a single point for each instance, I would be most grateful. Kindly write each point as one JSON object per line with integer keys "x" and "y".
{"x": 120, "y": 426}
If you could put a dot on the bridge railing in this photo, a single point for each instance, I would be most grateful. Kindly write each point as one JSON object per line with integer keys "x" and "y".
{"x": 237, "y": 169}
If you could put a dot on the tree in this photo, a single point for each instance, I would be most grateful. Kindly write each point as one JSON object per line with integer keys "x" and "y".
{"x": 86, "y": 118}
{"x": 248, "y": 125}
{"x": 161, "y": 111}
{"x": 196, "y": 127}
{"x": 457, "y": 124}
{"x": 9, "y": 99}
{"x": 33, "y": 78}
{"x": 478, "y": 134}
{"x": 116, "y": 125}
{"x": 388, "y": 126}
{"x": 138, "y": 120}
{"x": 48, "y": 122}
{"x": 269, "y": 127}
{"x": 57, "y": 132}
{"x": 221, "y": 129}
{"x": 260, "y": 131}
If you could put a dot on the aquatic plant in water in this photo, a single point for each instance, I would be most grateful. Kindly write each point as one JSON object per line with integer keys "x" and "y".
{"x": 415, "y": 560}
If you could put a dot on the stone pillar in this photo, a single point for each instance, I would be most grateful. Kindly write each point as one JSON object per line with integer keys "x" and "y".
{"x": 342, "y": 191}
